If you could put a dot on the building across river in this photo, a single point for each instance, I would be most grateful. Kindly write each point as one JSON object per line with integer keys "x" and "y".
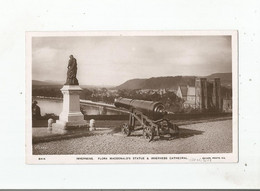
{"x": 205, "y": 94}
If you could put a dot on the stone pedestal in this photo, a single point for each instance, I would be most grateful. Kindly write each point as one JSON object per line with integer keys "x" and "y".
{"x": 71, "y": 117}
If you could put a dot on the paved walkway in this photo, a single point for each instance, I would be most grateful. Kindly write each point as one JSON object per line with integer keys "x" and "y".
{"x": 208, "y": 137}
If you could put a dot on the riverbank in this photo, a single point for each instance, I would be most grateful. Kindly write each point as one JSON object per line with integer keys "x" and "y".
{"x": 82, "y": 101}
{"x": 54, "y": 105}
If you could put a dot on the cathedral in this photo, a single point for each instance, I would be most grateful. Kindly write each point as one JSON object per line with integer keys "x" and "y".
{"x": 205, "y": 94}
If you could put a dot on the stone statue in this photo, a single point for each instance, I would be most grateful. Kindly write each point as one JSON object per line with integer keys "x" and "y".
{"x": 72, "y": 72}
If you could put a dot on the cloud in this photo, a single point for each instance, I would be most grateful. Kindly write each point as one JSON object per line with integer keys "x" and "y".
{"x": 113, "y": 60}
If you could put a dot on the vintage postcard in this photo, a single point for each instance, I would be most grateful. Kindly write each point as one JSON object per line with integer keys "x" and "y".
{"x": 131, "y": 97}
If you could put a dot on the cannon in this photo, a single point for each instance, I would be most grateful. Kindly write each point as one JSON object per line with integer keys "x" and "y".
{"x": 150, "y": 116}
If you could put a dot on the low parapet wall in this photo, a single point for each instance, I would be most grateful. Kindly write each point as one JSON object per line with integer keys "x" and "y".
{"x": 180, "y": 116}
{"x": 183, "y": 117}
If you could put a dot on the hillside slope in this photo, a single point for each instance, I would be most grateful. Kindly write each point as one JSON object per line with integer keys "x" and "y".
{"x": 45, "y": 83}
{"x": 171, "y": 82}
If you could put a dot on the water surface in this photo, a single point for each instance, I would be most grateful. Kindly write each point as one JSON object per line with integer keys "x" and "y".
{"x": 55, "y": 106}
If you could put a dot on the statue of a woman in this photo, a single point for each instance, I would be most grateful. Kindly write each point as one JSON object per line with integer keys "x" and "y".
{"x": 72, "y": 72}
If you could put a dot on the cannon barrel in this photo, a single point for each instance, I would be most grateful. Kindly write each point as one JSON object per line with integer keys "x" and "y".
{"x": 154, "y": 110}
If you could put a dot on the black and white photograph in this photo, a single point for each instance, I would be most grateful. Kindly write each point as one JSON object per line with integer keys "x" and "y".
{"x": 132, "y": 97}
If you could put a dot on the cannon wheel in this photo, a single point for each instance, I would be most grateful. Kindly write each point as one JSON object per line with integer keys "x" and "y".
{"x": 126, "y": 129}
{"x": 148, "y": 133}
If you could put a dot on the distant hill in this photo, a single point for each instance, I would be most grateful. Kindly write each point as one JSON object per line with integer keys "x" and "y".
{"x": 226, "y": 78}
{"x": 59, "y": 83}
{"x": 45, "y": 83}
{"x": 132, "y": 84}
{"x": 172, "y": 82}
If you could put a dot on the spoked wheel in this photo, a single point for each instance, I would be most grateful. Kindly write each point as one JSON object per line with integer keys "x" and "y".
{"x": 126, "y": 129}
{"x": 148, "y": 133}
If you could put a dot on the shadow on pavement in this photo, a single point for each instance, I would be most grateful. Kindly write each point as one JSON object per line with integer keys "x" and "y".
{"x": 184, "y": 133}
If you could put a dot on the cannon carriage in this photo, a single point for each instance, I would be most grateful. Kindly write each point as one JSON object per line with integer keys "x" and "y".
{"x": 147, "y": 116}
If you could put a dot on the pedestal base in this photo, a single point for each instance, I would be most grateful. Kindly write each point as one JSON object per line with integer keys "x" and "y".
{"x": 63, "y": 127}
{"x": 70, "y": 118}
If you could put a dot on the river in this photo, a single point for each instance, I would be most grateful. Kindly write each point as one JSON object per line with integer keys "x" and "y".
{"x": 55, "y": 106}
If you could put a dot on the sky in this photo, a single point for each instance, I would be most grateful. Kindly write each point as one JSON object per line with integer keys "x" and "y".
{"x": 112, "y": 60}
